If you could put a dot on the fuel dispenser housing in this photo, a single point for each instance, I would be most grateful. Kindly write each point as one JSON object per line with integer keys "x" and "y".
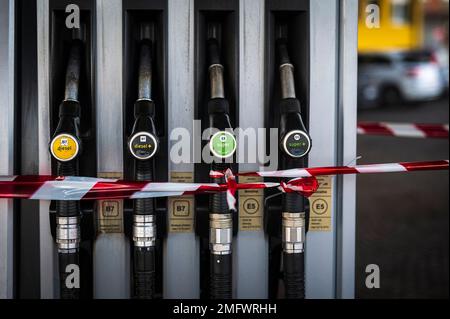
{"x": 73, "y": 114}
{"x": 321, "y": 40}
{"x": 286, "y": 108}
{"x": 215, "y": 21}
{"x": 153, "y": 16}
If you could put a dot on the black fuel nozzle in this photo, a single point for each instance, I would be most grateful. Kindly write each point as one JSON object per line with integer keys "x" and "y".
{"x": 295, "y": 141}
{"x": 143, "y": 141}
{"x": 295, "y": 144}
{"x": 143, "y": 145}
{"x": 222, "y": 145}
{"x": 65, "y": 147}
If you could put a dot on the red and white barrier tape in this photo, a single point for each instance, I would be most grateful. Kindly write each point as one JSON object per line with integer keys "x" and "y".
{"x": 88, "y": 188}
{"x": 46, "y": 187}
{"x": 404, "y": 129}
{"x": 358, "y": 169}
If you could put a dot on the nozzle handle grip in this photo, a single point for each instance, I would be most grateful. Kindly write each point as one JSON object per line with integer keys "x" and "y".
{"x": 66, "y": 291}
{"x": 144, "y": 273}
{"x": 294, "y": 275}
{"x": 221, "y": 276}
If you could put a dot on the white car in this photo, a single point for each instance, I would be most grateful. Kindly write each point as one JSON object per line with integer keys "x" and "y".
{"x": 390, "y": 78}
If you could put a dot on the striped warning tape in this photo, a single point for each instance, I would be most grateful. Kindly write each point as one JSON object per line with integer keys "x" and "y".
{"x": 44, "y": 187}
{"x": 88, "y": 188}
{"x": 358, "y": 169}
{"x": 403, "y": 129}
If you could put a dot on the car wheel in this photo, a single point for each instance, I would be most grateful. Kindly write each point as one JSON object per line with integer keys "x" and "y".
{"x": 391, "y": 96}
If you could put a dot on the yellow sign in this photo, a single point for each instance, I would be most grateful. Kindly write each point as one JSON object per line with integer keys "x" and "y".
{"x": 181, "y": 209}
{"x": 251, "y": 205}
{"x": 64, "y": 147}
{"x": 320, "y": 205}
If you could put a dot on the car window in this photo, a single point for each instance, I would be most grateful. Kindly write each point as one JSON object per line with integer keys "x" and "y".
{"x": 374, "y": 59}
{"x": 417, "y": 57}
{"x": 401, "y": 11}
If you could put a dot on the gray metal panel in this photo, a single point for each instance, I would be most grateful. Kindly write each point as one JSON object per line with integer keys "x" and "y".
{"x": 109, "y": 85}
{"x": 251, "y": 248}
{"x": 346, "y": 207}
{"x": 27, "y": 225}
{"x": 320, "y": 246}
{"x": 48, "y": 260}
{"x": 181, "y": 251}
{"x": 111, "y": 251}
{"x": 6, "y": 144}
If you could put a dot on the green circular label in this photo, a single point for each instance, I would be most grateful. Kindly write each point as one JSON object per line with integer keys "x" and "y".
{"x": 223, "y": 144}
{"x": 296, "y": 144}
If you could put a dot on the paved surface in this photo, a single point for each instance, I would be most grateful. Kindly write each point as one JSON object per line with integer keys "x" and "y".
{"x": 403, "y": 219}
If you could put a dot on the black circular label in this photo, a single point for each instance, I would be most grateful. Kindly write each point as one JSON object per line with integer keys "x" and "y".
{"x": 143, "y": 145}
{"x": 296, "y": 144}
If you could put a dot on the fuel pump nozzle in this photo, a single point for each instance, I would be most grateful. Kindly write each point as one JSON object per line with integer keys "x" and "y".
{"x": 222, "y": 145}
{"x": 295, "y": 144}
{"x": 65, "y": 147}
{"x": 143, "y": 144}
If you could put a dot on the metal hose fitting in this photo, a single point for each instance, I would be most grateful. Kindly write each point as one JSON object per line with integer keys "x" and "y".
{"x": 144, "y": 230}
{"x": 221, "y": 233}
{"x": 67, "y": 234}
{"x": 293, "y": 232}
{"x": 287, "y": 81}
{"x": 216, "y": 80}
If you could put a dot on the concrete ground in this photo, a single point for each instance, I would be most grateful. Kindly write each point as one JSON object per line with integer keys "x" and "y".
{"x": 403, "y": 219}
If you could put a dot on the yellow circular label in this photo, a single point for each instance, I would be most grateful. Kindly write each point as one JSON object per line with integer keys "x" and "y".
{"x": 64, "y": 147}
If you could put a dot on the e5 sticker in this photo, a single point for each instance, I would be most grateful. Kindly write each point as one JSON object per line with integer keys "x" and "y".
{"x": 64, "y": 147}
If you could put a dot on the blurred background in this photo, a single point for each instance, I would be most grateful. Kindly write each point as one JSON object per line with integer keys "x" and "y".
{"x": 403, "y": 219}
